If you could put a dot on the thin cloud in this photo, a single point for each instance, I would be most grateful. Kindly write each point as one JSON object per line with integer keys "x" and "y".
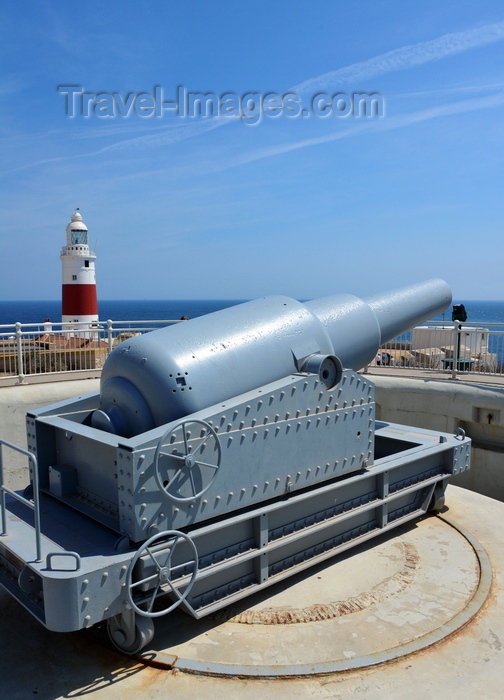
{"x": 446, "y": 91}
{"x": 390, "y": 124}
{"x": 406, "y": 57}
{"x": 168, "y": 138}
{"x": 392, "y": 61}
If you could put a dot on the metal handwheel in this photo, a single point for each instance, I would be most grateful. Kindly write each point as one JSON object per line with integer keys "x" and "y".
{"x": 187, "y": 464}
{"x": 166, "y": 572}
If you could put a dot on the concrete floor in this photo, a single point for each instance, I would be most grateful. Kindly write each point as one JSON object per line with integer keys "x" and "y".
{"x": 37, "y": 663}
{"x": 470, "y": 663}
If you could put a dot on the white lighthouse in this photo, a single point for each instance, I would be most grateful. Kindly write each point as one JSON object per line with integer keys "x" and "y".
{"x": 79, "y": 300}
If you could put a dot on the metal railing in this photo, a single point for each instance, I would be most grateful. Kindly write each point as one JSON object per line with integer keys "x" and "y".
{"x": 31, "y": 350}
{"x": 452, "y": 349}
{"x": 32, "y": 504}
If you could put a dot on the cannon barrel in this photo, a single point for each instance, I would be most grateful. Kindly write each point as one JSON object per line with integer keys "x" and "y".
{"x": 153, "y": 379}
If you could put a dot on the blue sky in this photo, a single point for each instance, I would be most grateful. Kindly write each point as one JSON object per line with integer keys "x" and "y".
{"x": 182, "y": 207}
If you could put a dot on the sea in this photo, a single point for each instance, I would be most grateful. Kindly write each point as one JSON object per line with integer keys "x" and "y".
{"x": 12, "y": 312}
{"x": 35, "y": 312}
{"x": 144, "y": 310}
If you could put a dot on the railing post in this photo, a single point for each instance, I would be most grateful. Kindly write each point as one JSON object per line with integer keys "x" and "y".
{"x": 19, "y": 346}
{"x": 456, "y": 346}
{"x": 2, "y": 495}
{"x": 109, "y": 335}
{"x": 36, "y": 505}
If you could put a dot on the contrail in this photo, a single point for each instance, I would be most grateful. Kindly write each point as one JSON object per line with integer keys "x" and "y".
{"x": 392, "y": 61}
{"x": 406, "y": 57}
{"x": 390, "y": 124}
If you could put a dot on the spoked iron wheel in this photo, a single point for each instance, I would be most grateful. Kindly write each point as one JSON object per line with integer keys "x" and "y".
{"x": 187, "y": 460}
{"x": 168, "y": 564}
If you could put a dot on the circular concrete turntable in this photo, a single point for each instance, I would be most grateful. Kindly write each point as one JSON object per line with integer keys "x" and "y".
{"x": 394, "y": 596}
{"x": 379, "y": 648}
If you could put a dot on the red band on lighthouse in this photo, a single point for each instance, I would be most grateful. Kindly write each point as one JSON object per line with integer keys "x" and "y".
{"x": 79, "y": 300}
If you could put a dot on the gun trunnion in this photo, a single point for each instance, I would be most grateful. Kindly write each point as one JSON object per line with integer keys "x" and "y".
{"x": 221, "y": 455}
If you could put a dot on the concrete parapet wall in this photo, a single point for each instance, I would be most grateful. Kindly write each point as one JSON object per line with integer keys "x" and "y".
{"x": 446, "y": 406}
{"x": 432, "y": 404}
{"x": 15, "y": 402}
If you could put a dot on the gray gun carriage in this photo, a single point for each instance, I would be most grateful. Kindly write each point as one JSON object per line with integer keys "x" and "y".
{"x": 220, "y": 456}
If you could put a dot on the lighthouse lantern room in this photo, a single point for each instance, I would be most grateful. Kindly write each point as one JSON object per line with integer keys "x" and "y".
{"x": 79, "y": 300}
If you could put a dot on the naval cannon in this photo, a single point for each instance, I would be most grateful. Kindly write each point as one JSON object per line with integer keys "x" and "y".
{"x": 173, "y": 372}
{"x": 220, "y": 455}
